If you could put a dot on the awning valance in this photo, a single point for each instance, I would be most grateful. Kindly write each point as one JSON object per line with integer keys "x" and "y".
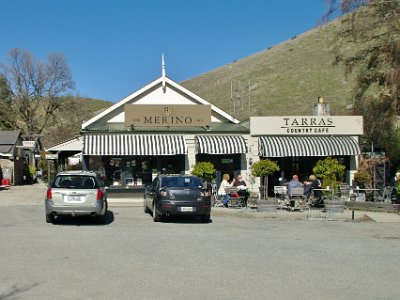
{"x": 284, "y": 146}
{"x": 132, "y": 144}
{"x": 220, "y": 144}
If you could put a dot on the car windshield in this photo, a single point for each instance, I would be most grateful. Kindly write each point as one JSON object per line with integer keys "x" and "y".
{"x": 182, "y": 182}
{"x": 75, "y": 182}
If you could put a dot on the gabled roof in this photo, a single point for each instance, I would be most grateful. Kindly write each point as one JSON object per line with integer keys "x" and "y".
{"x": 74, "y": 144}
{"x": 9, "y": 138}
{"x": 162, "y": 82}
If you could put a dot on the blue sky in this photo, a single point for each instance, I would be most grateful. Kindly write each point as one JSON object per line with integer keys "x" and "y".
{"x": 113, "y": 47}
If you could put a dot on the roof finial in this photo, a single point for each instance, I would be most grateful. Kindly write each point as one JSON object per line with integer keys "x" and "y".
{"x": 163, "y": 72}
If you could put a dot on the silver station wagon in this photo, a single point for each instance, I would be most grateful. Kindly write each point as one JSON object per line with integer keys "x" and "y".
{"x": 76, "y": 193}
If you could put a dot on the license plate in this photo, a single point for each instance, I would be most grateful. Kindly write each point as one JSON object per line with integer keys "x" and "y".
{"x": 74, "y": 199}
{"x": 187, "y": 209}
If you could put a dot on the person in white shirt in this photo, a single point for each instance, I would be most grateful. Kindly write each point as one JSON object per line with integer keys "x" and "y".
{"x": 221, "y": 191}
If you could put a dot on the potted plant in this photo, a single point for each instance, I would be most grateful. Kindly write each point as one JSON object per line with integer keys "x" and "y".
{"x": 329, "y": 170}
{"x": 204, "y": 170}
{"x": 361, "y": 178}
{"x": 263, "y": 169}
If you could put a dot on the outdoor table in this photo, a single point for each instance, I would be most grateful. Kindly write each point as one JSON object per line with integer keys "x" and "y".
{"x": 360, "y": 190}
{"x": 235, "y": 200}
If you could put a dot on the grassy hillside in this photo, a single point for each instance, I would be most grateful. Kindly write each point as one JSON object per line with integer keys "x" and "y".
{"x": 67, "y": 123}
{"x": 282, "y": 80}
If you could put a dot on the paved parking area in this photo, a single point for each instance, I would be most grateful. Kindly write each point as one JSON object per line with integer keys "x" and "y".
{"x": 131, "y": 257}
{"x": 236, "y": 256}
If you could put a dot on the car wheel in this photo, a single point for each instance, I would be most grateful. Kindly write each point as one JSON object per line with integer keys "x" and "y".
{"x": 205, "y": 219}
{"x": 156, "y": 216}
{"x": 49, "y": 218}
{"x": 146, "y": 209}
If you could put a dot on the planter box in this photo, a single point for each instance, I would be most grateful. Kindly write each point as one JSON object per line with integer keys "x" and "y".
{"x": 335, "y": 206}
{"x": 373, "y": 206}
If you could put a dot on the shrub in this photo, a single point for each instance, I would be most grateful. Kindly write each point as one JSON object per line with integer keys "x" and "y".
{"x": 361, "y": 178}
{"x": 204, "y": 170}
{"x": 264, "y": 167}
{"x": 329, "y": 169}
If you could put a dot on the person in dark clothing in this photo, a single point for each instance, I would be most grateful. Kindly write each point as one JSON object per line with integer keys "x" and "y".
{"x": 242, "y": 188}
{"x": 315, "y": 183}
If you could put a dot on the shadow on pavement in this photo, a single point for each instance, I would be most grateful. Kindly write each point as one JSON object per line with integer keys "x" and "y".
{"x": 84, "y": 220}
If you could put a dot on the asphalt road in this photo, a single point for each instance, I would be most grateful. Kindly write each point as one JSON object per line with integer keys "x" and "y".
{"x": 231, "y": 258}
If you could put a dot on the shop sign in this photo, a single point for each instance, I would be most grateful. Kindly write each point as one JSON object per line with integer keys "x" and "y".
{"x": 167, "y": 115}
{"x": 227, "y": 160}
{"x": 51, "y": 156}
{"x": 29, "y": 144}
{"x": 307, "y": 125}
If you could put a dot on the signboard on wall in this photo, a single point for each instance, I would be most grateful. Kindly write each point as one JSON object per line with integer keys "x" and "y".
{"x": 167, "y": 115}
{"x": 50, "y": 156}
{"x": 30, "y": 144}
{"x": 307, "y": 125}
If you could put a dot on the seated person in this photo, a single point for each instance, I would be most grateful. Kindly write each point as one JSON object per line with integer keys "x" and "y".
{"x": 316, "y": 184}
{"x": 221, "y": 191}
{"x": 242, "y": 188}
{"x": 294, "y": 183}
{"x": 307, "y": 188}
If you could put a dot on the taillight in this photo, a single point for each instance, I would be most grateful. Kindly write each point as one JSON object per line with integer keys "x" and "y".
{"x": 205, "y": 194}
{"x": 49, "y": 195}
{"x": 99, "y": 195}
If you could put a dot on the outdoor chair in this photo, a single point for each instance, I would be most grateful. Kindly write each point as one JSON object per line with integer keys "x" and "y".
{"x": 218, "y": 199}
{"x": 386, "y": 195}
{"x": 281, "y": 196}
{"x": 314, "y": 206}
{"x": 280, "y": 191}
{"x": 297, "y": 198}
{"x": 344, "y": 191}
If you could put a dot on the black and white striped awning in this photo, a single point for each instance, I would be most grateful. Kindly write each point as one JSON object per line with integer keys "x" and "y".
{"x": 283, "y": 146}
{"x": 131, "y": 144}
{"x": 220, "y": 144}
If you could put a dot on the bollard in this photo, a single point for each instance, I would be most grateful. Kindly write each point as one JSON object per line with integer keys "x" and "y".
{"x": 352, "y": 214}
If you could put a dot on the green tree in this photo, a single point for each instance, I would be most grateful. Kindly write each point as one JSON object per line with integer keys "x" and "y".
{"x": 263, "y": 169}
{"x": 7, "y": 113}
{"x": 368, "y": 43}
{"x": 38, "y": 89}
{"x": 329, "y": 170}
{"x": 204, "y": 170}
